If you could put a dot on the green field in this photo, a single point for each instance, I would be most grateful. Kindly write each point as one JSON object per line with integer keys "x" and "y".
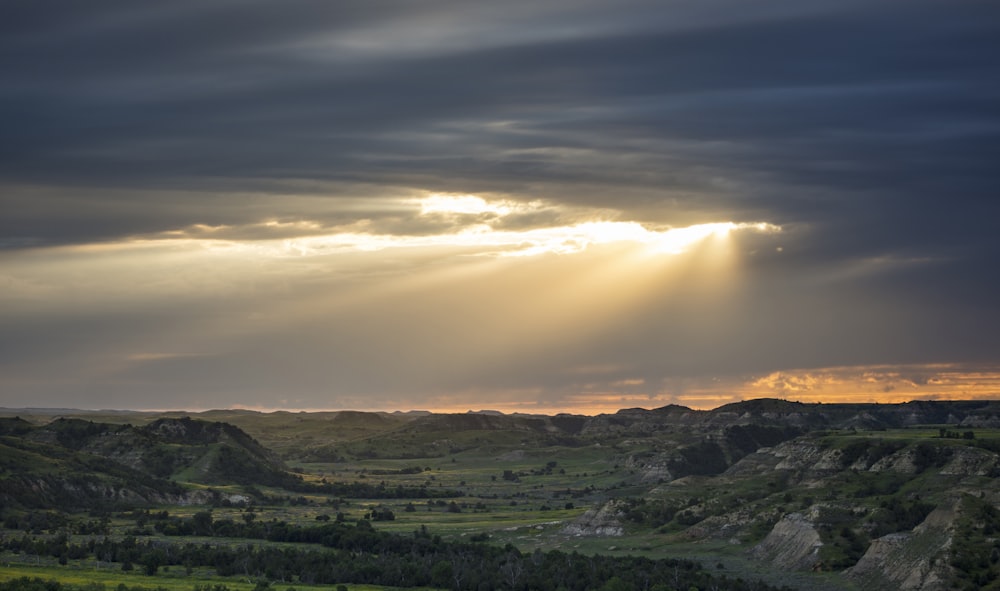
{"x": 110, "y": 579}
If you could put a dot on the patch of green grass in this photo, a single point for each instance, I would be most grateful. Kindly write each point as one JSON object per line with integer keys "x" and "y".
{"x": 173, "y": 580}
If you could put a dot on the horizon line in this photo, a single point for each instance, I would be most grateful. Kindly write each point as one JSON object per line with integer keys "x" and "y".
{"x": 263, "y": 410}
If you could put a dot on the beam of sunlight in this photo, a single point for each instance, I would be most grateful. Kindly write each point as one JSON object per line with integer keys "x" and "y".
{"x": 480, "y": 296}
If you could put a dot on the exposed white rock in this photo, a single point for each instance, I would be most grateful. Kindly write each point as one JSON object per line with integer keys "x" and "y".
{"x": 598, "y": 522}
{"x": 971, "y": 461}
{"x": 909, "y": 561}
{"x": 903, "y": 461}
{"x": 793, "y": 543}
{"x": 650, "y": 469}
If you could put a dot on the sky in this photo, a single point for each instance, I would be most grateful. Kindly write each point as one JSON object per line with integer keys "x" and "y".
{"x": 527, "y": 206}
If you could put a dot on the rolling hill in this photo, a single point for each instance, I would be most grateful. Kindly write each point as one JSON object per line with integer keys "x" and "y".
{"x": 71, "y": 462}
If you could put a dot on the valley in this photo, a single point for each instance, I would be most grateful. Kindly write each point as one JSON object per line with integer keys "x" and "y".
{"x": 764, "y": 492}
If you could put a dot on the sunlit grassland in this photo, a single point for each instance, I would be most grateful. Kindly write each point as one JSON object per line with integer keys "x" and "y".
{"x": 171, "y": 580}
{"x": 535, "y": 491}
{"x": 77, "y": 573}
{"x": 480, "y": 471}
{"x": 545, "y": 489}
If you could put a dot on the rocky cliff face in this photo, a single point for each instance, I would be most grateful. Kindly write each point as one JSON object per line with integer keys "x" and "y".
{"x": 910, "y": 561}
{"x": 604, "y": 521}
{"x": 78, "y": 490}
{"x": 794, "y": 543}
{"x": 771, "y": 412}
{"x": 653, "y": 469}
{"x": 808, "y": 458}
{"x": 883, "y": 508}
{"x": 968, "y": 461}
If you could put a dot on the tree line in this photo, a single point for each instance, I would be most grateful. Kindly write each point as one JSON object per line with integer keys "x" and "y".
{"x": 360, "y": 554}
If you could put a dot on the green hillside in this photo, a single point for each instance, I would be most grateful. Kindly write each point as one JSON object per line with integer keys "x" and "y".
{"x": 77, "y": 463}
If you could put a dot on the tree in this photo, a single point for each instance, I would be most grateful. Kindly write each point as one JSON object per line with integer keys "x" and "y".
{"x": 511, "y": 569}
{"x": 441, "y": 574}
{"x": 151, "y": 561}
{"x": 615, "y": 584}
{"x": 202, "y": 523}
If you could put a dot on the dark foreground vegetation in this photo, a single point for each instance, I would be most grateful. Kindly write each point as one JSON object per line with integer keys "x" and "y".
{"x": 341, "y": 553}
{"x": 40, "y": 584}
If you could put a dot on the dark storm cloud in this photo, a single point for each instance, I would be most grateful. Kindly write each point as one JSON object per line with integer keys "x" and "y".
{"x": 888, "y": 97}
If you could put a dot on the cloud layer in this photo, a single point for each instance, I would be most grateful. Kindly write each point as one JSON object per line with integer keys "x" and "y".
{"x": 312, "y": 205}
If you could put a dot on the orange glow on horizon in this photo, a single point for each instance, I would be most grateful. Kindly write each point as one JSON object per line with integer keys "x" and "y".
{"x": 826, "y": 385}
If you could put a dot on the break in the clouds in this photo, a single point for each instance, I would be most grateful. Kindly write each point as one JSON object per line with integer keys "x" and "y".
{"x": 527, "y": 205}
